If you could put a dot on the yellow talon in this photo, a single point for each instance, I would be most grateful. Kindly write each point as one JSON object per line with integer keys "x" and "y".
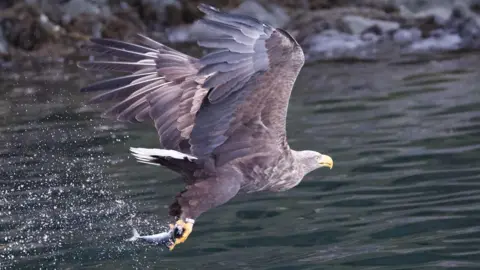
{"x": 187, "y": 228}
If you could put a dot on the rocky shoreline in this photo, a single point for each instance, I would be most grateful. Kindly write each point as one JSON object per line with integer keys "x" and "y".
{"x": 326, "y": 29}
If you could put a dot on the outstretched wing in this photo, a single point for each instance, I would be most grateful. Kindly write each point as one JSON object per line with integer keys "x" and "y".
{"x": 198, "y": 105}
{"x": 251, "y": 76}
{"x": 162, "y": 85}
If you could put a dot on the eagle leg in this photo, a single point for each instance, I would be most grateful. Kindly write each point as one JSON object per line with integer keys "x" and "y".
{"x": 198, "y": 198}
{"x": 181, "y": 231}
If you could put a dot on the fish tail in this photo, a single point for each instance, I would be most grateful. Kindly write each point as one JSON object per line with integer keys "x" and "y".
{"x": 135, "y": 236}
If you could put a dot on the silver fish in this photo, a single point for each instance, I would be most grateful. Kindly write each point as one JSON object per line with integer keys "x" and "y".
{"x": 164, "y": 238}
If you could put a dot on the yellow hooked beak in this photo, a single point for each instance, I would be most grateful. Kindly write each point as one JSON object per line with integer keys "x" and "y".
{"x": 326, "y": 161}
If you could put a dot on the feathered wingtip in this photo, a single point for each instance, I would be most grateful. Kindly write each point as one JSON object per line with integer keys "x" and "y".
{"x": 228, "y": 18}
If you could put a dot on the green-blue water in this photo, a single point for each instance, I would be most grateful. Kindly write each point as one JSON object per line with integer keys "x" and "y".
{"x": 404, "y": 192}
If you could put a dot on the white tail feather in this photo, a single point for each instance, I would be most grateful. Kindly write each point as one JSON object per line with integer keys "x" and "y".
{"x": 135, "y": 236}
{"x": 148, "y": 155}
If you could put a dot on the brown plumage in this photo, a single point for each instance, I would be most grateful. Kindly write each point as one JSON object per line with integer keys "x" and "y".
{"x": 221, "y": 117}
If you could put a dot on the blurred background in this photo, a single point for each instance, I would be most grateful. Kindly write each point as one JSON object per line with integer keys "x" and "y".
{"x": 390, "y": 90}
{"x": 325, "y": 28}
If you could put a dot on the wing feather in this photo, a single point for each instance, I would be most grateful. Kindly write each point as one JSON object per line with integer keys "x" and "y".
{"x": 250, "y": 74}
{"x": 117, "y": 66}
{"x": 139, "y": 95}
{"x": 198, "y": 105}
{"x": 222, "y": 42}
{"x": 132, "y": 112}
{"x": 100, "y": 50}
{"x": 161, "y": 80}
{"x": 225, "y": 56}
{"x": 122, "y": 45}
{"x": 122, "y": 92}
{"x": 113, "y": 83}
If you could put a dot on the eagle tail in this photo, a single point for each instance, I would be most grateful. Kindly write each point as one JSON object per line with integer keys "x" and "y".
{"x": 174, "y": 160}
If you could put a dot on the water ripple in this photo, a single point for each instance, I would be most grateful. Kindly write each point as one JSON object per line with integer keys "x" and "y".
{"x": 404, "y": 193}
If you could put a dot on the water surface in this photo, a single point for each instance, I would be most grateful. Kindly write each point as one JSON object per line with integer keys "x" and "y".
{"x": 404, "y": 192}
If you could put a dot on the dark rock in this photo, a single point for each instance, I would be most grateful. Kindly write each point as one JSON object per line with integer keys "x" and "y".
{"x": 303, "y": 24}
{"x": 439, "y": 41}
{"x": 371, "y": 37}
{"x": 332, "y": 44}
{"x": 461, "y": 30}
{"x": 162, "y": 12}
{"x": 6, "y": 4}
{"x": 475, "y": 7}
{"x": 406, "y": 36}
{"x": 179, "y": 34}
{"x": 384, "y": 5}
{"x": 333, "y": 28}
{"x": 374, "y": 29}
{"x": 75, "y": 8}
{"x": 22, "y": 27}
{"x": 120, "y": 25}
{"x": 439, "y": 9}
{"x": 359, "y": 24}
{"x": 3, "y": 44}
{"x": 27, "y": 28}
{"x": 467, "y": 24}
{"x": 305, "y": 4}
{"x": 427, "y": 24}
